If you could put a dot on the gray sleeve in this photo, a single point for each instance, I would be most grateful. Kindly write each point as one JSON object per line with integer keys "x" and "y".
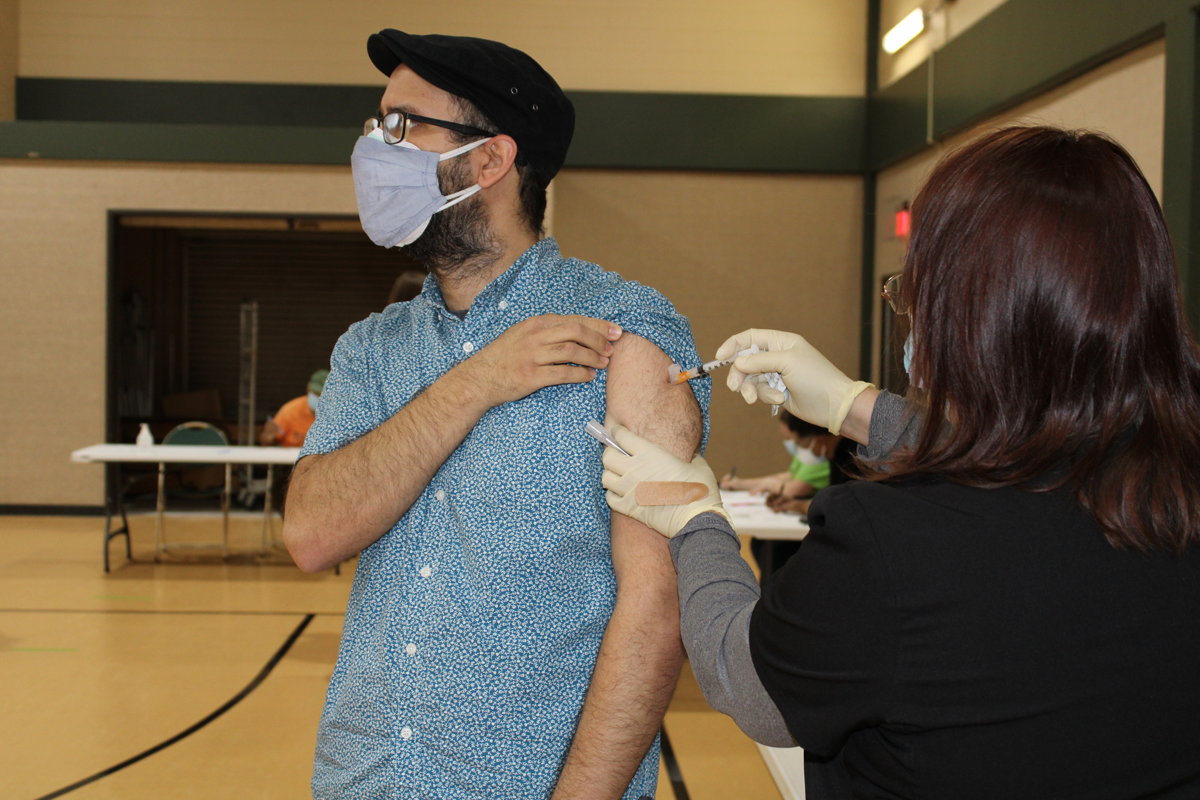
{"x": 893, "y": 424}
{"x": 717, "y": 593}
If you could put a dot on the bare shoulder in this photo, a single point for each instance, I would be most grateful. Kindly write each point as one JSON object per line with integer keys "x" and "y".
{"x": 641, "y": 398}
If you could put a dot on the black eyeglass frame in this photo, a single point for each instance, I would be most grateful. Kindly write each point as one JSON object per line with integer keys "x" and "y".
{"x": 378, "y": 122}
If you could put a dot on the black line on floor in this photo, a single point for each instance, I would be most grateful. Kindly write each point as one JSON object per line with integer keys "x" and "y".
{"x": 233, "y": 701}
{"x": 672, "y": 765}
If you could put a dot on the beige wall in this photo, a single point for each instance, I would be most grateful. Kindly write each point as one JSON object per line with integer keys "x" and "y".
{"x": 1123, "y": 99}
{"x": 732, "y": 251}
{"x": 8, "y": 57}
{"x": 788, "y": 47}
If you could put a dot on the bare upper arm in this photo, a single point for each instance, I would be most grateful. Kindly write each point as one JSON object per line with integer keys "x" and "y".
{"x": 641, "y": 399}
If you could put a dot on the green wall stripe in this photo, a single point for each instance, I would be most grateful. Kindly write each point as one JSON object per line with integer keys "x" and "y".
{"x": 182, "y": 102}
{"x": 223, "y": 122}
{"x": 722, "y": 132}
{"x": 1026, "y": 46}
{"x": 131, "y": 141}
{"x": 1181, "y": 162}
{"x": 898, "y": 119}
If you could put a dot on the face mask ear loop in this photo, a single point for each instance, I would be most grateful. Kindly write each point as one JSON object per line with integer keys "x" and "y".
{"x": 459, "y": 196}
{"x": 458, "y": 151}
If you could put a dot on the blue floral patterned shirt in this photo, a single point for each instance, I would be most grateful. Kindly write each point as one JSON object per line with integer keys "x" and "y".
{"x": 473, "y": 624}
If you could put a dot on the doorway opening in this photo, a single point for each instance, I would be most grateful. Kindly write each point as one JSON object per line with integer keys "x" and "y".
{"x": 180, "y": 289}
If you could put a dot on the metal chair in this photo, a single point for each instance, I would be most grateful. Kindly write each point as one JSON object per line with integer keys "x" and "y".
{"x": 194, "y": 433}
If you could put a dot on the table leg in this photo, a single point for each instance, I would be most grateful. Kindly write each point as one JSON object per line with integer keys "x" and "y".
{"x": 160, "y": 505}
{"x": 225, "y": 509}
{"x": 114, "y": 503}
{"x": 267, "y": 504}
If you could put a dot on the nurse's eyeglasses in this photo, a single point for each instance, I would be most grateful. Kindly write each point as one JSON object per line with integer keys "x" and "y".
{"x": 891, "y": 293}
{"x": 396, "y": 125}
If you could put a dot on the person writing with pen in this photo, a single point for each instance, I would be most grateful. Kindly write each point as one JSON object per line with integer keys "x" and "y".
{"x": 1006, "y": 605}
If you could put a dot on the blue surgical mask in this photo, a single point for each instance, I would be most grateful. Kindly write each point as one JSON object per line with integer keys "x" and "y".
{"x": 397, "y": 189}
{"x": 791, "y": 447}
{"x": 908, "y": 355}
{"x": 313, "y": 397}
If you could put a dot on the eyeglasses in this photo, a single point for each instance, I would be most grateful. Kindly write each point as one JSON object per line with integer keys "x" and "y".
{"x": 396, "y": 126}
{"x": 891, "y": 293}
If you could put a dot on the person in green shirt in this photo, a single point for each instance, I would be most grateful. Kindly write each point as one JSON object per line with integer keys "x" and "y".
{"x": 810, "y": 448}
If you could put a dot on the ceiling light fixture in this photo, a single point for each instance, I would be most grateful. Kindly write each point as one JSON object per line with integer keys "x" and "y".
{"x": 904, "y": 31}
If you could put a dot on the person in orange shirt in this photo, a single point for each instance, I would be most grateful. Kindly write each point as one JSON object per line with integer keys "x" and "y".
{"x": 291, "y": 423}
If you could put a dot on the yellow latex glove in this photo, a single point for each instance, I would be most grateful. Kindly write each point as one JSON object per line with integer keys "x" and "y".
{"x": 818, "y": 392}
{"x": 656, "y": 488}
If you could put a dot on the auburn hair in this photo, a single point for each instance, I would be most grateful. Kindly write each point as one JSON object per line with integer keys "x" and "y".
{"x": 1050, "y": 346}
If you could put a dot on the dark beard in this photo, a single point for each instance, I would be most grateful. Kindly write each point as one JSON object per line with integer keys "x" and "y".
{"x": 458, "y": 241}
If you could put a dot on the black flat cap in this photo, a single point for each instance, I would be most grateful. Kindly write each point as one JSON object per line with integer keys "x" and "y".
{"x": 508, "y": 86}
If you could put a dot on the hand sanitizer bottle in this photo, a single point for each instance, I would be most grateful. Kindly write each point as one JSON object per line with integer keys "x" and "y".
{"x": 145, "y": 438}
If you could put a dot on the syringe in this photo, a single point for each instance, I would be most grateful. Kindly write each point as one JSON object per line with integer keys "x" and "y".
{"x": 677, "y": 374}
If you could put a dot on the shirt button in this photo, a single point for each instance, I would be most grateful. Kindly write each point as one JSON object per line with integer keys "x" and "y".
{"x": 503, "y": 304}
{"x": 426, "y": 572}
{"x": 468, "y": 347}
{"x": 406, "y": 733}
{"x": 411, "y": 649}
{"x": 440, "y": 494}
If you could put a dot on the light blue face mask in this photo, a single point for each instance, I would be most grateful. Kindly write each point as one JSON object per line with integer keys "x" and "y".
{"x": 396, "y": 186}
{"x": 313, "y": 397}
{"x": 908, "y": 355}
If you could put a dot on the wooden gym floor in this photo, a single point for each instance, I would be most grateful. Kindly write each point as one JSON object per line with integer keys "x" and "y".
{"x": 115, "y": 684}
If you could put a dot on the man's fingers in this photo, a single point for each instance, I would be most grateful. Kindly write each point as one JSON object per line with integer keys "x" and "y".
{"x": 555, "y": 374}
{"x": 571, "y": 353}
{"x": 592, "y": 333}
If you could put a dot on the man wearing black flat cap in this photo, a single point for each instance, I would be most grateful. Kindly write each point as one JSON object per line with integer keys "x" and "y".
{"x": 505, "y": 637}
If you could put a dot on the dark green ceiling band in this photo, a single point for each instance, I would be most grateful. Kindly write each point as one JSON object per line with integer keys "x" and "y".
{"x": 1181, "y": 162}
{"x": 721, "y": 132}
{"x": 195, "y": 102}
{"x": 1025, "y": 47}
{"x": 131, "y": 141}
{"x": 272, "y": 123}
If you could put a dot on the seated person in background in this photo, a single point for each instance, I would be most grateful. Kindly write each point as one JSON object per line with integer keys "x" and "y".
{"x": 293, "y": 419}
{"x": 810, "y": 448}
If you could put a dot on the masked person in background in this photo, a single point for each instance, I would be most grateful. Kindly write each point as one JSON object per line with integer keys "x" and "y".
{"x": 291, "y": 422}
{"x": 504, "y": 637}
{"x": 1007, "y": 607}
{"x": 808, "y": 470}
